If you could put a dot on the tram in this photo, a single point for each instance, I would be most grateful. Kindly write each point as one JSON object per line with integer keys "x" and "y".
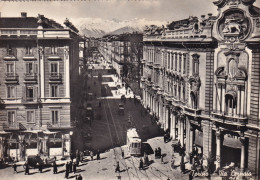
{"x": 133, "y": 142}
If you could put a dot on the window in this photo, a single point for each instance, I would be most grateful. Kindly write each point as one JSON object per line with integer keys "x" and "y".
{"x": 29, "y": 68}
{"x": 184, "y": 63}
{"x": 54, "y": 68}
{"x": 180, "y": 62}
{"x": 10, "y": 92}
{"x": 29, "y": 50}
{"x": 10, "y": 68}
{"x": 53, "y": 50}
{"x": 54, "y": 91}
{"x": 55, "y": 117}
{"x": 11, "y": 118}
{"x": 29, "y": 93}
{"x": 195, "y": 64}
{"x": 30, "y": 117}
{"x": 176, "y": 59}
{"x": 10, "y": 50}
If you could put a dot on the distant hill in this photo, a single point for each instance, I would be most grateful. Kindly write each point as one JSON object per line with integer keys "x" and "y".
{"x": 126, "y": 29}
{"x": 97, "y": 27}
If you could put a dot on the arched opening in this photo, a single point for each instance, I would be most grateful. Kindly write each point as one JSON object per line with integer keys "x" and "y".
{"x": 230, "y": 102}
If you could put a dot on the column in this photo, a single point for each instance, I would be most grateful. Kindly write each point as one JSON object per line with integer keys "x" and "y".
{"x": 167, "y": 118}
{"x": 179, "y": 128}
{"x": 191, "y": 137}
{"x": 41, "y": 71}
{"x": 182, "y": 131}
{"x": 219, "y": 139}
{"x": 67, "y": 72}
{"x": 242, "y": 159}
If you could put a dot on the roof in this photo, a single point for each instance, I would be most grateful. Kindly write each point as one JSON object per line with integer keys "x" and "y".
{"x": 28, "y": 22}
{"x": 131, "y": 133}
{"x": 7, "y": 22}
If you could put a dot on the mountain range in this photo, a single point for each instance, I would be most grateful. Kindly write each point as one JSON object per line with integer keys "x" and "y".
{"x": 97, "y": 27}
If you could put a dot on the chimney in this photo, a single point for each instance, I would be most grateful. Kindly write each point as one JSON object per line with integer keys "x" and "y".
{"x": 23, "y": 14}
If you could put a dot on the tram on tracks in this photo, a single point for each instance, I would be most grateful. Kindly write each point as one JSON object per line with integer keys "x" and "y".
{"x": 134, "y": 142}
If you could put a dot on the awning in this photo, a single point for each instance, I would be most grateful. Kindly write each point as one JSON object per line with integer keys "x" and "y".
{"x": 4, "y": 133}
{"x": 49, "y": 132}
{"x": 231, "y": 142}
{"x": 33, "y": 131}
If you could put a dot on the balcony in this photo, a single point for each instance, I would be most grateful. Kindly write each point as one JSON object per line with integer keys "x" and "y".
{"x": 240, "y": 120}
{"x": 58, "y": 126}
{"x": 192, "y": 112}
{"x": 30, "y": 78}
{"x": 14, "y": 126}
{"x": 30, "y": 101}
{"x": 55, "y": 77}
{"x": 11, "y": 78}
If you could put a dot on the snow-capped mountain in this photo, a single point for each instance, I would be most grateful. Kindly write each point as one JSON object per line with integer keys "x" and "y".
{"x": 97, "y": 27}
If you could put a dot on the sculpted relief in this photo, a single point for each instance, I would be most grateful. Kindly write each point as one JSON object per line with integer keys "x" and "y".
{"x": 234, "y": 24}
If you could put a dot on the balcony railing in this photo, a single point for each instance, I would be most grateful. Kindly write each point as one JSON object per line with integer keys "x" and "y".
{"x": 227, "y": 118}
{"x": 13, "y": 126}
{"x": 55, "y": 76}
{"x": 11, "y": 77}
{"x": 58, "y": 125}
{"x": 191, "y": 111}
{"x": 29, "y": 100}
{"x": 30, "y": 77}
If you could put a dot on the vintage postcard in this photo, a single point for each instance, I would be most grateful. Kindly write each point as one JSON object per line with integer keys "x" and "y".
{"x": 129, "y": 89}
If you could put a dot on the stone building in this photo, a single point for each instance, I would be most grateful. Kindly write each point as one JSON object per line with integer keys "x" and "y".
{"x": 121, "y": 50}
{"x": 39, "y": 68}
{"x": 201, "y": 81}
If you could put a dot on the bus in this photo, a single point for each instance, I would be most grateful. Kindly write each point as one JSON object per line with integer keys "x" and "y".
{"x": 133, "y": 142}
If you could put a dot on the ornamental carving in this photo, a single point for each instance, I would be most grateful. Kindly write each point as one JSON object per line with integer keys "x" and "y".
{"x": 234, "y": 25}
{"x": 195, "y": 83}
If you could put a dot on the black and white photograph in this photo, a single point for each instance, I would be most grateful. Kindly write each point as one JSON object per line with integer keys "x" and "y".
{"x": 130, "y": 89}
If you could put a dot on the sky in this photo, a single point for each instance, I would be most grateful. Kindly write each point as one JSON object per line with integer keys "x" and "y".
{"x": 164, "y": 10}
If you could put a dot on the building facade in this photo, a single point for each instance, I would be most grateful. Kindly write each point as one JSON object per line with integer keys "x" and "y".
{"x": 201, "y": 81}
{"x": 39, "y": 68}
{"x": 120, "y": 50}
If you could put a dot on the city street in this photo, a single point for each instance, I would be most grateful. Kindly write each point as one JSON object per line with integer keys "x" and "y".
{"x": 107, "y": 133}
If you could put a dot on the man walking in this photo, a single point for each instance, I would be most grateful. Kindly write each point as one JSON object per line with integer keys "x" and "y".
{"x": 117, "y": 167}
{"x": 15, "y": 168}
{"x": 74, "y": 167}
{"x": 26, "y": 167}
{"x": 141, "y": 164}
{"x": 67, "y": 170}
{"x": 55, "y": 168}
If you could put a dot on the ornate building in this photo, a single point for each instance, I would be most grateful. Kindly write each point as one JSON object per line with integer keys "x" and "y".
{"x": 201, "y": 80}
{"x": 39, "y": 68}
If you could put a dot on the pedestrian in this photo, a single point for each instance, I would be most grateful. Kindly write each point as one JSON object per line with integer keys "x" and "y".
{"x": 98, "y": 155}
{"x": 67, "y": 170}
{"x": 117, "y": 167}
{"x": 15, "y": 168}
{"x": 164, "y": 138}
{"x": 141, "y": 164}
{"x": 159, "y": 152}
{"x": 162, "y": 159}
{"x": 123, "y": 154}
{"x": 74, "y": 167}
{"x": 26, "y": 167}
{"x": 55, "y": 170}
{"x": 70, "y": 167}
{"x": 79, "y": 177}
{"x": 91, "y": 155}
{"x": 191, "y": 175}
{"x": 81, "y": 156}
{"x": 71, "y": 156}
{"x": 155, "y": 153}
{"x": 40, "y": 167}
